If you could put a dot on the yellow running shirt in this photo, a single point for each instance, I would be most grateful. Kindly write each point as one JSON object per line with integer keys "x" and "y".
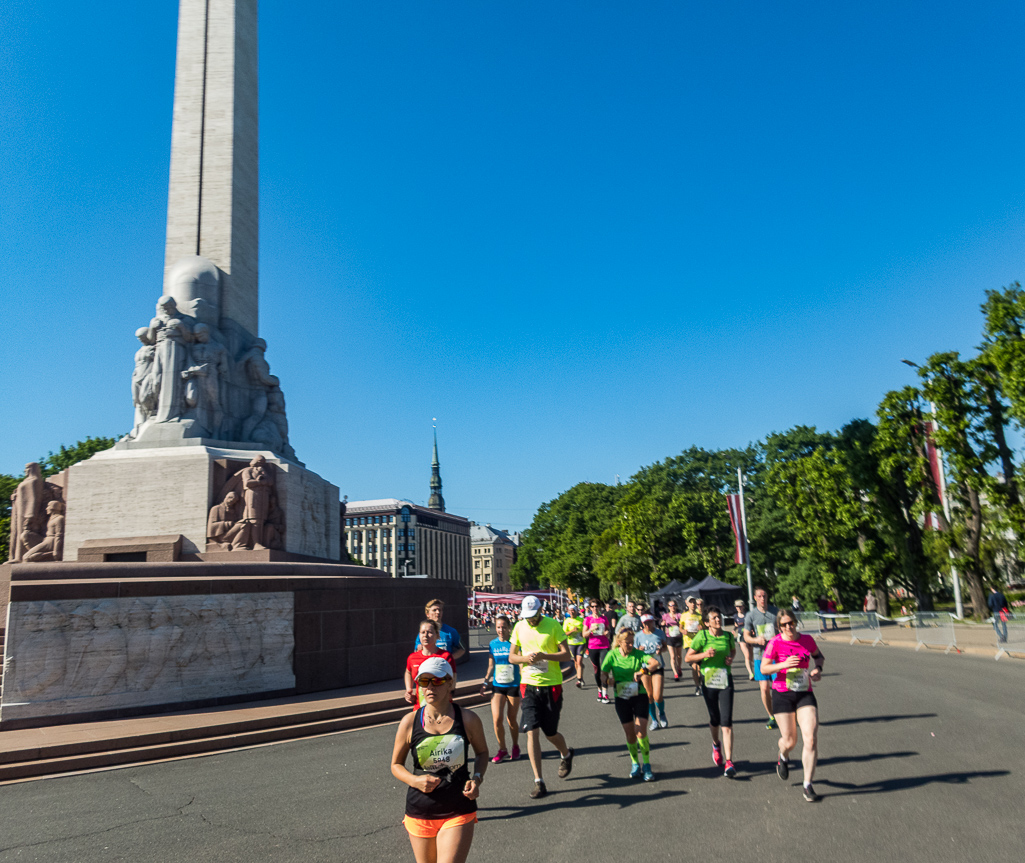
{"x": 690, "y": 623}
{"x": 546, "y": 638}
{"x": 573, "y": 627}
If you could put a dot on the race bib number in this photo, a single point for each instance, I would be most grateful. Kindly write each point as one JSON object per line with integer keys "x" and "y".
{"x": 716, "y": 678}
{"x": 673, "y": 632}
{"x": 597, "y": 629}
{"x": 798, "y": 680}
{"x": 693, "y": 626}
{"x": 540, "y": 665}
{"x": 767, "y": 630}
{"x": 626, "y": 690}
{"x": 446, "y": 751}
{"x": 504, "y": 674}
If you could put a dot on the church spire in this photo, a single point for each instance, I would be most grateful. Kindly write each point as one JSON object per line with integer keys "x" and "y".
{"x": 436, "y": 501}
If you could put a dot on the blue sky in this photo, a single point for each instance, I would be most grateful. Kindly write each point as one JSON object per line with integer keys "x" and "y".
{"x": 584, "y": 235}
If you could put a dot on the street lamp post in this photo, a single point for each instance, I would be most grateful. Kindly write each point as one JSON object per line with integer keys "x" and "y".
{"x": 404, "y": 518}
{"x": 954, "y": 577}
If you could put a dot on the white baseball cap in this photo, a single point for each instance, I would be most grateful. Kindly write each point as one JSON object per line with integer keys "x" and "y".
{"x": 435, "y": 666}
{"x": 646, "y": 617}
{"x": 530, "y": 607}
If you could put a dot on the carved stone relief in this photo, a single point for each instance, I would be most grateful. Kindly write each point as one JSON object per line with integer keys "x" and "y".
{"x": 247, "y": 514}
{"x": 37, "y": 518}
{"x": 79, "y": 656}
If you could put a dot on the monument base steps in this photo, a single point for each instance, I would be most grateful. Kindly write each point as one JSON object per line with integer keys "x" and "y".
{"x": 38, "y": 752}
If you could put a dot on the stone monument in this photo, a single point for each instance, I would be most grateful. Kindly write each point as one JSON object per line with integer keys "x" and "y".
{"x": 201, "y": 387}
{"x": 198, "y": 560}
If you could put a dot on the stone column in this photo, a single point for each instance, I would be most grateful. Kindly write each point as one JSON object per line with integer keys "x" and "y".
{"x": 213, "y": 197}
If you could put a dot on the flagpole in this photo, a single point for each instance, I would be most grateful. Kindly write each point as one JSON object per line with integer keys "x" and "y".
{"x": 743, "y": 522}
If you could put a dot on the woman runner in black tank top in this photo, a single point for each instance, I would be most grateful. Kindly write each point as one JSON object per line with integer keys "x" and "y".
{"x": 441, "y": 800}
{"x": 443, "y": 756}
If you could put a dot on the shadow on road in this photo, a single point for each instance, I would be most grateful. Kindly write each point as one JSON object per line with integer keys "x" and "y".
{"x": 606, "y": 795}
{"x": 908, "y": 782}
{"x": 891, "y": 717}
{"x": 762, "y": 768}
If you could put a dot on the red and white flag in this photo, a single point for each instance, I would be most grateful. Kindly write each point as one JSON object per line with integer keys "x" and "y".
{"x": 737, "y": 522}
{"x": 934, "y": 467}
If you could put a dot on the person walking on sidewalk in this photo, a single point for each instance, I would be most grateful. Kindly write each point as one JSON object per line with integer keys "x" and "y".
{"x": 759, "y": 629}
{"x": 504, "y": 678}
{"x": 997, "y": 603}
{"x": 539, "y": 645}
{"x": 441, "y": 800}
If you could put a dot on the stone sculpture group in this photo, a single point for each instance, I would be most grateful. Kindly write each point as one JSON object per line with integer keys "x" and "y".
{"x": 214, "y": 383}
{"x": 149, "y": 650}
{"x": 37, "y": 519}
{"x": 247, "y": 515}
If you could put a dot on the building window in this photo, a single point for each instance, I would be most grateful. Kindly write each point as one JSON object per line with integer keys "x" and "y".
{"x": 476, "y": 564}
{"x": 487, "y": 564}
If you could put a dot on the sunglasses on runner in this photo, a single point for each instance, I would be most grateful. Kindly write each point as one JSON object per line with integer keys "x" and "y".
{"x": 787, "y": 623}
{"x": 432, "y": 681}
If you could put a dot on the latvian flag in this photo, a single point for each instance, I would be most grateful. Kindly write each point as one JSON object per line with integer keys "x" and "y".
{"x": 733, "y": 501}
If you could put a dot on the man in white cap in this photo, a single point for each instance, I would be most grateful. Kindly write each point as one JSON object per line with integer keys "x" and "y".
{"x": 539, "y": 644}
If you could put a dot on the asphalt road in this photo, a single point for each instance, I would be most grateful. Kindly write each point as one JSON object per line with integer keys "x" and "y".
{"x": 921, "y": 760}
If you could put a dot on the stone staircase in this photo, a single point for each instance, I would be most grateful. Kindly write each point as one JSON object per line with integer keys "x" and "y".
{"x": 61, "y": 749}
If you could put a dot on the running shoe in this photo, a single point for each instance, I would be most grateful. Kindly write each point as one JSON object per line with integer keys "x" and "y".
{"x": 676, "y": 677}
{"x": 635, "y": 771}
{"x": 750, "y": 675}
{"x": 501, "y": 756}
{"x": 697, "y": 690}
{"x": 652, "y": 720}
{"x": 580, "y": 685}
{"x": 771, "y": 724}
{"x": 648, "y": 775}
{"x": 601, "y": 697}
{"x": 605, "y": 699}
{"x": 539, "y": 789}
{"x": 515, "y": 753}
{"x": 716, "y": 755}
{"x": 730, "y": 771}
{"x": 810, "y": 795}
{"x": 566, "y": 765}
{"x": 663, "y": 721}
{"x": 782, "y": 768}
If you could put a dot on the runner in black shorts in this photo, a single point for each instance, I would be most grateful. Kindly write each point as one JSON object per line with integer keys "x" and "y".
{"x": 597, "y": 627}
{"x": 630, "y": 668}
{"x": 794, "y": 662}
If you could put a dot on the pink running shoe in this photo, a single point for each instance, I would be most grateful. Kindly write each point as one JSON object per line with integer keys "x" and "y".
{"x": 500, "y": 757}
{"x": 716, "y": 755}
{"x": 516, "y": 753}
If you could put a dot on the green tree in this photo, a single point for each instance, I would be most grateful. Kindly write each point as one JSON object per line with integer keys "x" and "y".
{"x": 557, "y": 547}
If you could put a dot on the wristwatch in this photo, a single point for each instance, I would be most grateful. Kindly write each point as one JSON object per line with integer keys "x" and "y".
{"x": 478, "y": 778}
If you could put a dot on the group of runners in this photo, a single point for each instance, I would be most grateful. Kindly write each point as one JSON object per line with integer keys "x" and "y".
{"x": 627, "y": 656}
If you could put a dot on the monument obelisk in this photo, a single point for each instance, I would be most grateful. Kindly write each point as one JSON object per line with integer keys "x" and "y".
{"x": 213, "y": 197}
{"x": 206, "y": 404}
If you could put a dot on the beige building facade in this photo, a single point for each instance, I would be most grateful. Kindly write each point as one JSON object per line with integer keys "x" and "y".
{"x": 493, "y": 553}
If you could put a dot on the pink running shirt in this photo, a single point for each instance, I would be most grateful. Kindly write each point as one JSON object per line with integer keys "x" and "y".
{"x": 598, "y": 642}
{"x": 779, "y": 650}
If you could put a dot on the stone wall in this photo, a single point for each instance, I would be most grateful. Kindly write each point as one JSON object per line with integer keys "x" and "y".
{"x": 106, "y": 640}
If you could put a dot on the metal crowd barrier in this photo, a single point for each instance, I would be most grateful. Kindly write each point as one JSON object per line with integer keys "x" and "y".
{"x": 809, "y": 621}
{"x": 933, "y": 629}
{"x": 865, "y": 627}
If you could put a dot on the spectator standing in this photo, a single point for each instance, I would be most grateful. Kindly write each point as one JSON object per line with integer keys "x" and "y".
{"x": 997, "y": 603}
